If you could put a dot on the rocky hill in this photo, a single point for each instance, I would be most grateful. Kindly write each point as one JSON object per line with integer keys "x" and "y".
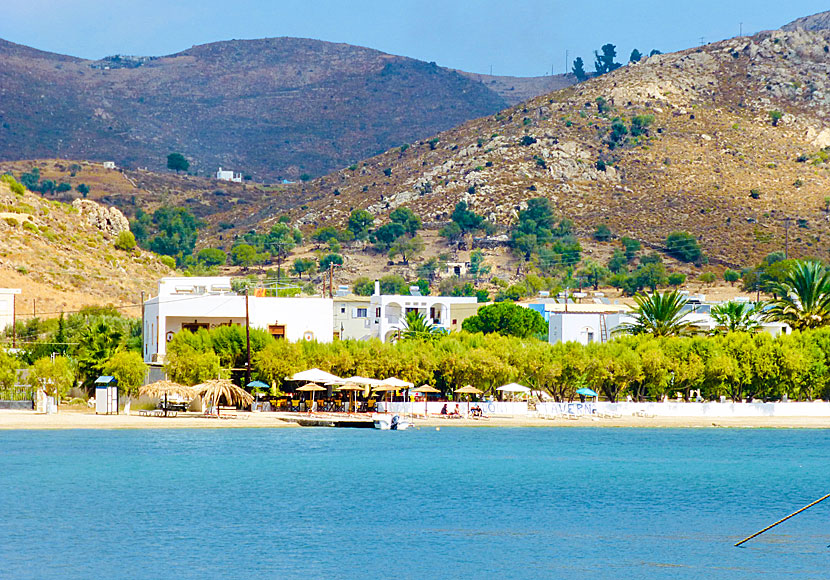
{"x": 63, "y": 256}
{"x": 820, "y": 21}
{"x": 727, "y": 141}
{"x": 272, "y": 109}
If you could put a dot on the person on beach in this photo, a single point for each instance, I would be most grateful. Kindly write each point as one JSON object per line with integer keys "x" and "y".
{"x": 444, "y": 409}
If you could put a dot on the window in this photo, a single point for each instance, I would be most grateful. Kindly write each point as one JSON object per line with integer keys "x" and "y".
{"x": 377, "y": 312}
{"x": 361, "y": 312}
{"x": 277, "y": 330}
{"x": 342, "y": 310}
{"x": 590, "y": 337}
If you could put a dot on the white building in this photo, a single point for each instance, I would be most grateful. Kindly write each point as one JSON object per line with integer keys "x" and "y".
{"x": 207, "y": 302}
{"x": 351, "y": 317}
{"x": 387, "y": 312}
{"x": 7, "y": 305}
{"x": 109, "y": 164}
{"x": 228, "y": 176}
{"x": 582, "y": 323}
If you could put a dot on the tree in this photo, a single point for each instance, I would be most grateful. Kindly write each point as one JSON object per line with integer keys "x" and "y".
{"x": 363, "y": 286}
{"x": 97, "y": 343}
{"x": 452, "y": 231}
{"x": 303, "y": 265}
{"x": 404, "y": 216}
{"x": 417, "y": 327}
{"x": 83, "y": 189}
{"x": 676, "y": 279}
{"x": 281, "y": 239}
{"x": 406, "y": 248}
{"x": 636, "y": 56}
{"x": 802, "y": 298}
{"x": 684, "y": 247}
{"x": 658, "y": 315}
{"x": 731, "y": 276}
{"x": 579, "y": 70}
{"x": 708, "y": 277}
{"x": 56, "y": 376}
{"x": 617, "y": 263}
{"x": 385, "y": 236}
{"x": 244, "y": 255}
{"x": 211, "y": 257}
{"x": 189, "y": 366}
{"x": 125, "y": 241}
{"x": 393, "y": 284}
{"x": 477, "y": 266}
{"x": 128, "y": 367}
{"x": 430, "y": 268}
{"x": 736, "y": 316}
{"x": 329, "y": 259}
{"x": 360, "y": 221}
{"x": 606, "y": 62}
{"x": 507, "y": 319}
{"x": 775, "y": 117}
{"x": 177, "y": 162}
{"x": 467, "y": 220}
{"x": 593, "y": 273}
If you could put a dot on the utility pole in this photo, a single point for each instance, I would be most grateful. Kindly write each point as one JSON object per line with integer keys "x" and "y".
{"x": 701, "y": 40}
{"x": 331, "y": 277}
{"x": 247, "y": 340}
{"x": 740, "y": 29}
{"x": 14, "y": 320}
{"x": 567, "y": 63}
{"x": 787, "y": 238}
{"x": 34, "y": 307}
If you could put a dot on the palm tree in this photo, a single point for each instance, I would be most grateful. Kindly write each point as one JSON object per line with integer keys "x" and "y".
{"x": 657, "y": 314}
{"x": 802, "y": 298}
{"x": 736, "y": 316}
{"x": 415, "y": 325}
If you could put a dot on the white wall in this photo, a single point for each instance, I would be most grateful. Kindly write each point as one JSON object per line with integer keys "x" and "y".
{"x": 7, "y": 306}
{"x": 491, "y": 408}
{"x": 720, "y": 410}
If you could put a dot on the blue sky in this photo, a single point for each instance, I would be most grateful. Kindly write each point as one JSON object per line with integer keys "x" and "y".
{"x": 522, "y": 37}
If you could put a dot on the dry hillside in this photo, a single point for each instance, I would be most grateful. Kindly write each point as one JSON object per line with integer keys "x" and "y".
{"x": 716, "y": 160}
{"x": 63, "y": 256}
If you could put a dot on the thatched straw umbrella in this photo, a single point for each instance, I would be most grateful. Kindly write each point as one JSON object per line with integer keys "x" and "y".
{"x": 215, "y": 389}
{"x": 161, "y": 389}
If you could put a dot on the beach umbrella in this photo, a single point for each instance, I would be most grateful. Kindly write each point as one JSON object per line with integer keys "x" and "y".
{"x": 383, "y": 388}
{"x": 161, "y": 389}
{"x": 586, "y": 392}
{"x": 215, "y": 390}
{"x": 469, "y": 390}
{"x": 426, "y": 389}
{"x": 353, "y": 388}
{"x": 258, "y": 385}
{"x": 314, "y": 375}
{"x": 396, "y": 382}
{"x": 311, "y": 388}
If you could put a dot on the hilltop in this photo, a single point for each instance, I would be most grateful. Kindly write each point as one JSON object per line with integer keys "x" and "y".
{"x": 272, "y": 109}
{"x": 63, "y": 256}
{"x": 724, "y": 141}
{"x": 814, "y": 22}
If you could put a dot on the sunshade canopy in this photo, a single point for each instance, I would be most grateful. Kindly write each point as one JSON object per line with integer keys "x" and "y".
{"x": 513, "y": 388}
{"x": 396, "y": 382}
{"x": 469, "y": 390}
{"x": 350, "y": 387}
{"x": 426, "y": 389}
{"x": 258, "y": 385}
{"x": 386, "y": 388}
{"x": 315, "y": 375}
{"x": 585, "y": 391}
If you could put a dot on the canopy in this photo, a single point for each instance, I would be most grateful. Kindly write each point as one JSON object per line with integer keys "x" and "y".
{"x": 585, "y": 391}
{"x": 396, "y": 382}
{"x": 513, "y": 388}
{"x": 315, "y": 375}
{"x": 386, "y": 388}
{"x": 469, "y": 390}
{"x": 258, "y": 385}
{"x": 161, "y": 389}
{"x": 309, "y": 387}
{"x": 358, "y": 380}
{"x": 426, "y": 389}
{"x": 215, "y": 389}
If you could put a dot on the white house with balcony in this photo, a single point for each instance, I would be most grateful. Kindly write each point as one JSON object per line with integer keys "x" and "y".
{"x": 387, "y": 312}
{"x": 224, "y": 175}
{"x": 207, "y": 302}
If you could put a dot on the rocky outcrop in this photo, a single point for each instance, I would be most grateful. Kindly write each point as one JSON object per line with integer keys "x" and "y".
{"x": 820, "y": 21}
{"x": 107, "y": 219}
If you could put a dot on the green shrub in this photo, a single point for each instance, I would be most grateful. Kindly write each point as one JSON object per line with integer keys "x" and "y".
{"x": 125, "y": 241}
{"x": 602, "y": 233}
{"x": 168, "y": 261}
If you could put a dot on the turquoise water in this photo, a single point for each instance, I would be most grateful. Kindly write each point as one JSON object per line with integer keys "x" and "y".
{"x": 454, "y": 503}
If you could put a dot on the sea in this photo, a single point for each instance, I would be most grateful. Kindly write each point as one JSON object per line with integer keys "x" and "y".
{"x": 425, "y": 503}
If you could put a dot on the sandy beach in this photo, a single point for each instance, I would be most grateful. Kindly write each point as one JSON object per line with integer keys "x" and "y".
{"x": 74, "y": 418}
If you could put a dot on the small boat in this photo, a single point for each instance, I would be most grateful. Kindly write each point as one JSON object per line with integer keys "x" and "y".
{"x": 390, "y": 423}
